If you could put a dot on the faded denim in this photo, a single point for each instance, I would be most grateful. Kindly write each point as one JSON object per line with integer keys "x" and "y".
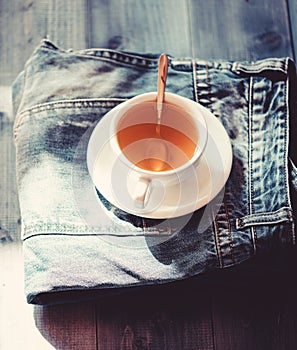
{"x": 74, "y": 239}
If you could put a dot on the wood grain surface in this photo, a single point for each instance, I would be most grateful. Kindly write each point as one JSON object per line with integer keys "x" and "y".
{"x": 292, "y": 19}
{"x": 141, "y": 26}
{"x": 227, "y": 314}
{"x": 240, "y": 30}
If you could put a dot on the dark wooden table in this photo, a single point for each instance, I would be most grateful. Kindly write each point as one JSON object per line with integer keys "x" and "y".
{"x": 250, "y": 308}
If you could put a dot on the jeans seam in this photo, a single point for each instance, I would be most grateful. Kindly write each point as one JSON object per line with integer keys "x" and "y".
{"x": 282, "y": 215}
{"x": 250, "y": 165}
{"x": 208, "y": 87}
{"x": 260, "y": 66}
{"x": 109, "y": 55}
{"x": 229, "y": 232}
{"x": 217, "y": 229}
{"x": 195, "y": 81}
{"x": 67, "y": 104}
{"x": 286, "y": 153}
{"x": 217, "y": 240}
{"x": 24, "y": 87}
{"x": 156, "y": 231}
{"x": 216, "y": 224}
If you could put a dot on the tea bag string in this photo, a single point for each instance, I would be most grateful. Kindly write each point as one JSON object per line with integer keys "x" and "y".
{"x": 162, "y": 76}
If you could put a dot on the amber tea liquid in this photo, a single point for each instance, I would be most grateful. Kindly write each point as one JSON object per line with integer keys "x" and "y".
{"x": 156, "y": 147}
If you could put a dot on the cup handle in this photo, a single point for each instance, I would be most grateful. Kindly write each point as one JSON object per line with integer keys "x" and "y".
{"x": 142, "y": 192}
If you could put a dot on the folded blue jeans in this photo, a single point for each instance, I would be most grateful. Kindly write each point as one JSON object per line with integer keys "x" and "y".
{"x": 75, "y": 240}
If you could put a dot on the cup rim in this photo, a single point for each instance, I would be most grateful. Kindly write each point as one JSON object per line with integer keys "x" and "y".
{"x": 171, "y": 98}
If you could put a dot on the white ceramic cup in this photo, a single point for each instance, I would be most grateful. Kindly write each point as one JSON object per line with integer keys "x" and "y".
{"x": 138, "y": 169}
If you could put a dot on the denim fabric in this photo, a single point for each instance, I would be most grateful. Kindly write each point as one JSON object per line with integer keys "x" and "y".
{"x": 73, "y": 239}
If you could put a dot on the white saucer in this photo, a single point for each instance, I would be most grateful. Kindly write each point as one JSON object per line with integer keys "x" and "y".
{"x": 189, "y": 195}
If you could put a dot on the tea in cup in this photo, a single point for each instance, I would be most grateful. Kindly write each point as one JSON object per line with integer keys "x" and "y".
{"x": 141, "y": 157}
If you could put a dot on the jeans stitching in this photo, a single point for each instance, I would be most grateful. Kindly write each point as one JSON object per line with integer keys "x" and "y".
{"x": 229, "y": 232}
{"x": 217, "y": 240}
{"x": 110, "y": 55}
{"x": 195, "y": 81}
{"x": 67, "y": 104}
{"x": 250, "y": 159}
{"x": 259, "y": 70}
{"x": 263, "y": 65}
{"x": 286, "y": 153}
{"x": 226, "y": 210}
{"x": 281, "y": 215}
{"x": 215, "y": 220}
{"x": 208, "y": 87}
